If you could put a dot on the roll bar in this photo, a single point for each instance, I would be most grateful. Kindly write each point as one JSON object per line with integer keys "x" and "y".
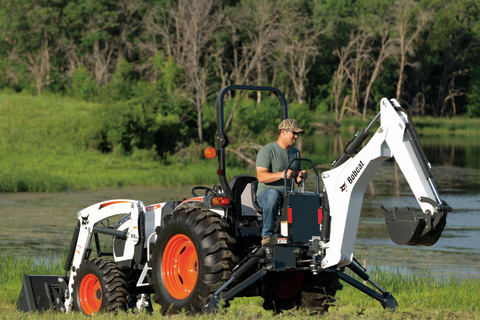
{"x": 221, "y": 139}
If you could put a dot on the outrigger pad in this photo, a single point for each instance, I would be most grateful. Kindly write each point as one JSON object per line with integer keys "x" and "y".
{"x": 40, "y": 293}
{"x": 413, "y": 227}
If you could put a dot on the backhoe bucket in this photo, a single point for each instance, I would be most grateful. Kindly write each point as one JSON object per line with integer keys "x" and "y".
{"x": 41, "y": 293}
{"x": 413, "y": 227}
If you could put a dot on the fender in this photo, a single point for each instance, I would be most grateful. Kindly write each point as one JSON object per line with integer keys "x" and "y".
{"x": 203, "y": 203}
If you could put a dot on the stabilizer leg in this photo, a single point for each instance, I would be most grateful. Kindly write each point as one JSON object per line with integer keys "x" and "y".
{"x": 384, "y": 297}
{"x": 245, "y": 265}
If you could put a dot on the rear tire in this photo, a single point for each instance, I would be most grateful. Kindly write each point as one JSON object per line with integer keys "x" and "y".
{"x": 318, "y": 293}
{"x": 192, "y": 258}
{"x": 301, "y": 290}
{"x": 99, "y": 286}
{"x": 283, "y": 290}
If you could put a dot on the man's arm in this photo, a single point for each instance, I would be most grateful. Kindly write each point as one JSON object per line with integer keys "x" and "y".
{"x": 265, "y": 176}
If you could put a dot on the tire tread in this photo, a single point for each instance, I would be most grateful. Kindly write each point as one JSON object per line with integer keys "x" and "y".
{"x": 215, "y": 252}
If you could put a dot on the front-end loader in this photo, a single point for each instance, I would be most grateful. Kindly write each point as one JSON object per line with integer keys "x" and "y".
{"x": 193, "y": 253}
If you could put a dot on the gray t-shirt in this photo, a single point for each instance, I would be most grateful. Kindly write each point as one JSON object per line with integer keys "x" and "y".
{"x": 275, "y": 158}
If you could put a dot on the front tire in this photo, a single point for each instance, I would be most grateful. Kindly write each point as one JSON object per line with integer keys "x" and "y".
{"x": 191, "y": 260}
{"x": 99, "y": 286}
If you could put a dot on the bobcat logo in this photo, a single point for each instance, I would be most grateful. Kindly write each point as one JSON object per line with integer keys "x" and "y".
{"x": 343, "y": 187}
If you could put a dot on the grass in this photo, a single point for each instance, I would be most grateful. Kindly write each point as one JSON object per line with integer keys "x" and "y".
{"x": 12, "y": 270}
{"x": 92, "y": 170}
{"x": 49, "y": 143}
{"x": 421, "y": 290}
{"x": 424, "y": 125}
{"x": 460, "y": 126}
{"x": 420, "y": 296}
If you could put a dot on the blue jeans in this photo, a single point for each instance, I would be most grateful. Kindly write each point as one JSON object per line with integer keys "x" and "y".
{"x": 270, "y": 200}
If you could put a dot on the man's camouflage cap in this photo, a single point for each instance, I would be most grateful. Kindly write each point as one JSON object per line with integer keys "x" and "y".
{"x": 291, "y": 125}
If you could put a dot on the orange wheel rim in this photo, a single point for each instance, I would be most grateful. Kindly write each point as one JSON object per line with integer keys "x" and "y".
{"x": 180, "y": 266}
{"x": 90, "y": 294}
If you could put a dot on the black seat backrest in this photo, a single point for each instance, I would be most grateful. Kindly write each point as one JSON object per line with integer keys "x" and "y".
{"x": 254, "y": 187}
{"x": 243, "y": 194}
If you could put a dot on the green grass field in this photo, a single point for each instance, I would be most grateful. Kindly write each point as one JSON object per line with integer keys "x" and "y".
{"x": 49, "y": 143}
{"x": 419, "y": 296}
{"x": 45, "y": 146}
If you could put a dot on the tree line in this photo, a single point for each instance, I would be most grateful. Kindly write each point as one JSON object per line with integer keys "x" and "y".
{"x": 167, "y": 59}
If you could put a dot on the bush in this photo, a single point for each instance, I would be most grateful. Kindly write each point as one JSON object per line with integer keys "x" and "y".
{"x": 473, "y": 106}
{"x": 127, "y": 125}
{"x": 134, "y": 124}
{"x": 121, "y": 86}
{"x": 302, "y": 113}
{"x": 32, "y": 181}
{"x": 83, "y": 85}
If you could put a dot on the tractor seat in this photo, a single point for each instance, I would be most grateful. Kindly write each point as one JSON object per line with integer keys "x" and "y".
{"x": 244, "y": 189}
{"x": 254, "y": 187}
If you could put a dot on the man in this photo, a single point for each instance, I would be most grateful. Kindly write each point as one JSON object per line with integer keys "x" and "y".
{"x": 272, "y": 161}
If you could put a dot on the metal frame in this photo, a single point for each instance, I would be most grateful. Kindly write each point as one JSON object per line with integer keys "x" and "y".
{"x": 221, "y": 139}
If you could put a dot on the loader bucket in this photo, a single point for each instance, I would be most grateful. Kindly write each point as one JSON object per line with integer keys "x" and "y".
{"x": 413, "y": 227}
{"x": 41, "y": 293}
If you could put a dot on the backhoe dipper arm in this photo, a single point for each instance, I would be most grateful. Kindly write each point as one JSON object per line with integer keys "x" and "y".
{"x": 345, "y": 186}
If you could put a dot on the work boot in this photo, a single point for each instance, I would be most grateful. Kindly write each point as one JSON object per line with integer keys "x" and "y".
{"x": 266, "y": 240}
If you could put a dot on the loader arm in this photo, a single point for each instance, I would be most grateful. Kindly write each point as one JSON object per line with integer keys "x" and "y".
{"x": 88, "y": 219}
{"x": 345, "y": 186}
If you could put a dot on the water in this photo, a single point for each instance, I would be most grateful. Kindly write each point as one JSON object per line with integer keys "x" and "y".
{"x": 41, "y": 224}
{"x": 456, "y": 172}
{"x": 456, "y": 252}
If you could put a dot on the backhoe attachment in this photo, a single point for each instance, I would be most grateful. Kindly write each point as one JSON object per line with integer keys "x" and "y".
{"x": 346, "y": 182}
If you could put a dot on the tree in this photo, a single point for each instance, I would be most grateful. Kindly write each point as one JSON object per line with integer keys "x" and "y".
{"x": 253, "y": 30}
{"x": 354, "y": 60}
{"x": 93, "y": 36}
{"x": 29, "y": 29}
{"x": 453, "y": 39}
{"x": 340, "y": 79}
{"x": 473, "y": 107}
{"x": 375, "y": 19}
{"x": 298, "y": 46}
{"x": 188, "y": 31}
{"x": 410, "y": 21}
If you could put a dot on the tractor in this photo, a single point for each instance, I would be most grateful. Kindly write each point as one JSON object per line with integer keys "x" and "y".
{"x": 193, "y": 253}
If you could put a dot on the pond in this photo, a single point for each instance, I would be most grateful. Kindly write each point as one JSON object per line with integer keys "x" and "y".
{"x": 41, "y": 224}
{"x": 456, "y": 172}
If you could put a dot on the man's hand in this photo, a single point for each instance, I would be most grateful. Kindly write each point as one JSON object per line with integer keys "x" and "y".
{"x": 301, "y": 175}
{"x": 290, "y": 173}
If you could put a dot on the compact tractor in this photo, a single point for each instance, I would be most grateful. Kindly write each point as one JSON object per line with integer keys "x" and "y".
{"x": 193, "y": 253}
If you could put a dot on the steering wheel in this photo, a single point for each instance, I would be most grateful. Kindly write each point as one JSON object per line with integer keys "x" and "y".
{"x": 206, "y": 189}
